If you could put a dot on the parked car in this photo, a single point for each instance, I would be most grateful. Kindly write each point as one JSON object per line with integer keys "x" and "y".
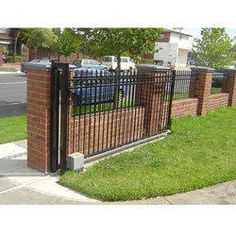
{"x": 126, "y": 63}
{"x": 95, "y": 86}
{"x": 38, "y": 62}
{"x": 88, "y": 63}
{"x": 43, "y": 62}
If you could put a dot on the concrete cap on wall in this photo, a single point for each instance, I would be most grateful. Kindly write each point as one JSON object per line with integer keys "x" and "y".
{"x": 227, "y": 70}
{"x": 41, "y": 67}
{"x": 202, "y": 69}
{"x": 151, "y": 67}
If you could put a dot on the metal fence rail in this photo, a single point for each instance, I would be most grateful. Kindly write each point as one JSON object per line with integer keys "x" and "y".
{"x": 108, "y": 110}
{"x": 183, "y": 84}
{"x": 217, "y": 83}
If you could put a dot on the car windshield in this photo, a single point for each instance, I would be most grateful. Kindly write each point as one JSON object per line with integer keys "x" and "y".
{"x": 78, "y": 63}
{"x": 35, "y": 61}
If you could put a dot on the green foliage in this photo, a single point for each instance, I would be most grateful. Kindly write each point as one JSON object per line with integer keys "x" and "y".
{"x": 41, "y": 38}
{"x": 133, "y": 42}
{"x": 5, "y": 51}
{"x": 17, "y": 58}
{"x": 67, "y": 43}
{"x": 25, "y": 34}
{"x": 11, "y": 58}
{"x": 214, "y": 49}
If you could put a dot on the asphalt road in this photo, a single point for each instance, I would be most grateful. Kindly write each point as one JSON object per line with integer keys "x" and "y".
{"x": 12, "y": 94}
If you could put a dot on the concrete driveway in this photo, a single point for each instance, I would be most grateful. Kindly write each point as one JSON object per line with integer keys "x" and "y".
{"x": 20, "y": 184}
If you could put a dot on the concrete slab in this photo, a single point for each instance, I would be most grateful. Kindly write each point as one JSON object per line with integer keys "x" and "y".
{"x": 26, "y": 196}
{"x": 49, "y": 185}
{"x": 6, "y": 184}
{"x": 13, "y": 160}
{"x": 151, "y": 201}
{"x": 223, "y": 194}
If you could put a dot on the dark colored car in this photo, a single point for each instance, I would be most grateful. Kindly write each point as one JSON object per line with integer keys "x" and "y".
{"x": 217, "y": 80}
{"x": 96, "y": 86}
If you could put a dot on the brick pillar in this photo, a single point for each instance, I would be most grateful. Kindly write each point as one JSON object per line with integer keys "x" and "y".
{"x": 150, "y": 96}
{"x": 1, "y": 54}
{"x": 38, "y": 118}
{"x": 202, "y": 89}
{"x": 229, "y": 85}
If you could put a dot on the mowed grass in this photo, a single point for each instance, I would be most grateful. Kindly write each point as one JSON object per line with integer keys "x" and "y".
{"x": 7, "y": 69}
{"x": 201, "y": 152}
{"x": 12, "y": 129}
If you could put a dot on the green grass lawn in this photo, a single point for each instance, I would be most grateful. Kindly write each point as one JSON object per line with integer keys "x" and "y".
{"x": 200, "y": 152}
{"x": 215, "y": 90}
{"x": 12, "y": 129}
{"x": 7, "y": 69}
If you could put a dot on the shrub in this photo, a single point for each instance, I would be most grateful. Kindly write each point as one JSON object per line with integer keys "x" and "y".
{"x": 18, "y": 58}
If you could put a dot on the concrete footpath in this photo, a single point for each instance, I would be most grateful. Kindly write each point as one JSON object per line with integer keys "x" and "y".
{"x": 20, "y": 184}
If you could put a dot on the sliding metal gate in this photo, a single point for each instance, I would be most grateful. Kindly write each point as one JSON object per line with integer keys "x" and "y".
{"x": 102, "y": 110}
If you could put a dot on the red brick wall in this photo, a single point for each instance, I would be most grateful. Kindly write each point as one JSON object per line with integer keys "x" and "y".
{"x": 107, "y": 130}
{"x": 38, "y": 119}
{"x": 48, "y": 54}
{"x": 218, "y": 100}
{"x": 184, "y": 107}
{"x": 165, "y": 37}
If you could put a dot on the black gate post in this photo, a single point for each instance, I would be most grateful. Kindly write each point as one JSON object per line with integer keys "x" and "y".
{"x": 54, "y": 117}
{"x": 173, "y": 76}
{"x": 64, "y": 115}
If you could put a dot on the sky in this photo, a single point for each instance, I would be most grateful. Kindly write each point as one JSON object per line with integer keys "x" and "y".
{"x": 195, "y": 32}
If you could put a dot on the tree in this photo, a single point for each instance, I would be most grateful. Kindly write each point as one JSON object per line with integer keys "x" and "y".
{"x": 41, "y": 38}
{"x": 67, "y": 43}
{"x": 214, "y": 49}
{"x": 133, "y": 42}
{"x": 16, "y": 34}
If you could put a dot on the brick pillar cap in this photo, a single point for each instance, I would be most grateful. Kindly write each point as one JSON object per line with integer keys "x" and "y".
{"x": 202, "y": 69}
{"x": 41, "y": 67}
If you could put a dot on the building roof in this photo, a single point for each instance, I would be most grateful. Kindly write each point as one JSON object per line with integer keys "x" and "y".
{"x": 4, "y": 36}
{"x": 176, "y": 31}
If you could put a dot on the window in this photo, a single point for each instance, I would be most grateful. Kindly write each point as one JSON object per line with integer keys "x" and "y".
{"x": 78, "y": 63}
{"x": 96, "y": 63}
{"x": 4, "y": 30}
{"x": 124, "y": 60}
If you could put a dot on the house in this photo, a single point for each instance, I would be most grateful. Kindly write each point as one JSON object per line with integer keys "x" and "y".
{"x": 173, "y": 46}
{"x": 7, "y": 39}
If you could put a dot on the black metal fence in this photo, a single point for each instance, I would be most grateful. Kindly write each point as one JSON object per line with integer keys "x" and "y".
{"x": 184, "y": 84}
{"x": 108, "y": 110}
{"x": 217, "y": 82}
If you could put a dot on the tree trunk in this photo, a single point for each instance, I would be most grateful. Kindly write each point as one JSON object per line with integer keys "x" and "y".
{"x": 15, "y": 42}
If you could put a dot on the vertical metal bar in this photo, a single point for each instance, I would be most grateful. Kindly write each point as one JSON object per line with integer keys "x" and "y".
{"x": 171, "y": 97}
{"x": 64, "y": 116}
{"x": 54, "y": 118}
